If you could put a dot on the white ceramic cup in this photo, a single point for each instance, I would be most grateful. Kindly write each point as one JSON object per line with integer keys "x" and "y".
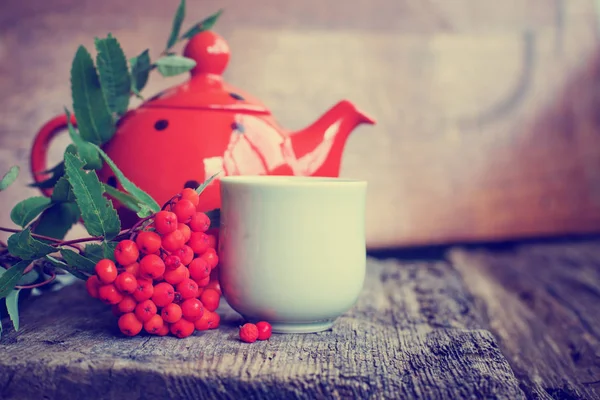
{"x": 292, "y": 249}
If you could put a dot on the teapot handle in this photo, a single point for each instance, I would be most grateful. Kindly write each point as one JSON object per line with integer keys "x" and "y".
{"x": 41, "y": 143}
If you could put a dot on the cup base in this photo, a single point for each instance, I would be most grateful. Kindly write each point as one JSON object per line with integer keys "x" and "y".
{"x": 302, "y": 327}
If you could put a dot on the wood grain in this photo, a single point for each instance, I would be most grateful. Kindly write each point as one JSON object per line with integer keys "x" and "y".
{"x": 542, "y": 305}
{"x": 413, "y": 334}
{"x": 487, "y": 110}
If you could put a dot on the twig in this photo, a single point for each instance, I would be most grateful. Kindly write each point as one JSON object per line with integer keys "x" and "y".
{"x": 35, "y": 285}
{"x": 132, "y": 231}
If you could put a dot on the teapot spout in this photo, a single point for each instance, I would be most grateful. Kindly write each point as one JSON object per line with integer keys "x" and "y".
{"x": 317, "y": 150}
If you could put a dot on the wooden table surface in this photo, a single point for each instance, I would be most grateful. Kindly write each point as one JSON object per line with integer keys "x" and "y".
{"x": 520, "y": 323}
{"x": 487, "y": 111}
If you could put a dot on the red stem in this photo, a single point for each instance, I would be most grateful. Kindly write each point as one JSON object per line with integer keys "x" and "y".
{"x": 35, "y": 285}
{"x": 137, "y": 225}
{"x": 170, "y": 201}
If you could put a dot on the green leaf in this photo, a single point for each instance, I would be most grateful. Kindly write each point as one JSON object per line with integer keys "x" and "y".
{"x": 114, "y": 74}
{"x": 174, "y": 65}
{"x": 99, "y": 216}
{"x": 57, "y": 220}
{"x": 140, "y": 70}
{"x": 139, "y": 194}
{"x": 124, "y": 198}
{"x": 9, "y": 177}
{"x": 203, "y": 25}
{"x": 108, "y": 250}
{"x": 12, "y": 306}
{"x": 24, "y": 246}
{"x": 29, "y": 278}
{"x": 177, "y": 21}
{"x": 57, "y": 172}
{"x": 144, "y": 211}
{"x": 94, "y": 120}
{"x": 10, "y": 277}
{"x": 64, "y": 266}
{"x": 77, "y": 261}
{"x": 26, "y": 210}
{"x": 85, "y": 149}
{"x": 62, "y": 192}
{"x": 207, "y": 182}
{"x": 94, "y": 252}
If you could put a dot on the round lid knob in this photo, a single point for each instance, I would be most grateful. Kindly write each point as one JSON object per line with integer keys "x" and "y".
{"x": 210, "y": 51}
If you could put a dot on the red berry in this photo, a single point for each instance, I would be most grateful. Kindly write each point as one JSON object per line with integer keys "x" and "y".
{"x": 126, "y": 282}
{"x": 185, "y": 254}
{"x": 212, "y": 241}
{"x": 148, "y": 242}
{"x": 210, "y": 298}
{"x": 129, "y": 324}
{"x": 198, "y": 242}
{"x": 264, "y": 330}
{"x": 215, "y": 285}
{"x": 185, "y": 230}
{"x": 209, "y": 320}
{"x": 152, "y": 266}
{"x": 174, "y": 276}
{"x": 164, "y": 331}
{"x": 199, "y": 269}
{"x": 182, "y": 328}
{"x": 126, "y": 252}
{"x": 164, "y": 293}
{"x": 188, "y": 289}
{"x": 172, "y": 262}
{"x": 109, "y": 294}
{"x": 171, "y": 313}
{"x": 191, "y": 195}
{"x": 192, "y": 309}
{"x": 173, "y": 241}
{"x": 127, "y": 304}
{"x": 106, "y": 270}
{"x": 92, "y": 285}
{"x": 145, "y": 310}
{"x": 203, "y": 282}
{"x": 144, "y": 291}
{"x": 184, "y": 209}
{"x": 210, "y": 255}
{"x": 154, "y": 324}
{"x": 199, "y": 222}
{"x": 133, "y": 269}
{"x": 249, "y": 333}
{"x": 165, "y": 222}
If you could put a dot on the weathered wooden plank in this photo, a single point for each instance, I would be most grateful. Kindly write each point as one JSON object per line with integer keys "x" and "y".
{"x": 414, "y": 333}
{"x": 542, "y": 303}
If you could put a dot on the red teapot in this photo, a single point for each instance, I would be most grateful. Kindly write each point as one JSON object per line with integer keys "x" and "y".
{"x": 187, "y": 133}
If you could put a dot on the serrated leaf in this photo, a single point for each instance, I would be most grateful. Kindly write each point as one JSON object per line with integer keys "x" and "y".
{"x": 94, "y": 252}
{"x": 144, "y": 211}
{"x": 114, "y": 74}
{"x": 108, "y": 250}
{"x": 177, "y": 21}
{"x": 64, "y": 266}
{"x": 139, "y": 194}
{"x": 10, "y": 277}
{"x": 99, "y": 216}
{"x": 124, "y": 198}
{"x": 77, "y": 261}
{"x": 207, "y": 182}
{"x": 94, "y": 119}
{"x": 62, "y": 192}
{"x": 26, "y": 210}
{"x": 57, "y": 220}
{"x": 140, "y": 70}
{"x": 174, "y": 65}
{"x": 86, "y": 151}
{"x": 9, "y": 177}
{"x": 12, "y": 306}
{"x": 203, "y": 25}
{"x": 24, "y": 246}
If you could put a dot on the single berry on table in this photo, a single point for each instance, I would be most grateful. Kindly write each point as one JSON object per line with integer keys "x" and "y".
{"x": 126, "y": 282}
{"x": 210, "y": 298}
{"x": 144, "y": 291}
{"x": 173, "y": 241}
{"x": 171, "y": 313}
{"x": 175, "y": 276}
{"x": 126, "y": 252}
{"x": 165, "y": 222}
{"x": 199, "y": 269}
{"x": 145, "y": 310}
{"x": 164, "y": 293}
{"x": 154, "y": 324}
{"x": 199, "y": 222}
{"x": 129, "y": 324}
{"x": 128, "y": 304}
{"x": 192, "y": 309}
{"x": 191, "y": 195}
{"x": 106, "y": 270}
{"x": 109, "y": 294}
{"x": 148, "y": 242}
{"x": 151, "y": 266}
{"x": 264, "y": 330}
{"x": 184, "y": 209}
{"x": 188, "y": 289}
{"x": 92, "y": 284}
{"x": 182, "y": 328}
{"x": 198, "y": 242}
{"x": 249, "y": 333}
{"x": 209, "y": 320}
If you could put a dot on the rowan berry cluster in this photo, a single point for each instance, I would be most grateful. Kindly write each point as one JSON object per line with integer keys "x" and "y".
{"x": 164, "y": 277}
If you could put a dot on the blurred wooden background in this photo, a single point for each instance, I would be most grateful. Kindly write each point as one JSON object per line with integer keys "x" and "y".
{"x": 488, "y": 111}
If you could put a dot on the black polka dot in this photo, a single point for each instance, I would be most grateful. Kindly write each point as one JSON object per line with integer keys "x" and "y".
{"x": 236, "y": 96}
{"x": 112, "y": 181}
{"x": 161, "y": 124}
{"x": 191, "y": 184}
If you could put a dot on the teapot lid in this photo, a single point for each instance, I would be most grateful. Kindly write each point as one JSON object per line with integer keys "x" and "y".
{"x": 206, "y": 88}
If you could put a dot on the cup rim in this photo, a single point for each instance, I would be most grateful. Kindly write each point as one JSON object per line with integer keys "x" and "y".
{"x": 290, "y": 180}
